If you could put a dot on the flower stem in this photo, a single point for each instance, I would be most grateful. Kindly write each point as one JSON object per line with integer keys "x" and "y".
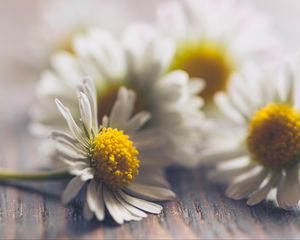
{"x": 49, "y": 175}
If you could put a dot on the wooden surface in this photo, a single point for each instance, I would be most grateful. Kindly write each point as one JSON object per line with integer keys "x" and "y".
{"x": 33, "y": 210}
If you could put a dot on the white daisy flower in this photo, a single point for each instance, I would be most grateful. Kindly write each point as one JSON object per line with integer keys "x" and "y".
{"x": 116, "y": 163}
{"x": 259, "y": 152}
{"x": 60, "y": 20}
{"x": 215, "y": 39}
{"x": 139, "y": 63}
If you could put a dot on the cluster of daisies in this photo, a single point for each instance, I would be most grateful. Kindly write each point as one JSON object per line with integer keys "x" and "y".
{"x": 204, "y": 85}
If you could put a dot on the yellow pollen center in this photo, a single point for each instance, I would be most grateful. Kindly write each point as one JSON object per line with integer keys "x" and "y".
{"x": 274, "y": 136}
{"x": 114, "y": 158}
{"x": 207, "y": 62}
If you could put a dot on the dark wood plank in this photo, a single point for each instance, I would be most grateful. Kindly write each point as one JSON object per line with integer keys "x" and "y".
{"x": 33, "y": 210}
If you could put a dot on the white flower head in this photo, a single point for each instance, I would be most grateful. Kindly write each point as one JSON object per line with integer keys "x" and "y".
{"x": 259, "y": 150}
{"x": 117, "y": 163}
{"x": 137, "y": 62}
{"x": 215, "y": 38}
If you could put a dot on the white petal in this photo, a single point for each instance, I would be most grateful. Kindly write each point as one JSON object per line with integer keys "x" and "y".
{"x": 113, "y": 206}
{"x": 87, "y": 174}
{"x": 227, "y": 109}
{"x": 61, "y": 148}
{"x": 85, "y": 112}
{"x": 103, "y": 51}
{"x": 105, "y": 121}
{"x": 196, "y": 85}
{"x": 95, "y": 199}
{"x": 66, "y": 67}
{"x": 288, "y": 192}
{"x": 68, "y": 147}
{"x": 247, "y": 93}
{"x": 57, "y": 135}
{"x": 243, "y": 188}
{"x": 75, "y": 130}
{"x": 72, "y": 189}
{"x": 76, "y": 147}
{"x": 237, "y": 101}
{"x": 69, "y": 157}
{"x": 77, "y": 167}
{"x": 51, "y": 85}
{"x": 151, "y": 192}
{"x": 148, "y": 53}
{"x": 90, "y": 91}
{"x": 137, "y": 122}
{"x": 122, "y": 108}
{"x": 141, "y": 204}
{"x": 131, "y": 208}
{"x": 262, "y": 193}
{"x": 127, "y": 214}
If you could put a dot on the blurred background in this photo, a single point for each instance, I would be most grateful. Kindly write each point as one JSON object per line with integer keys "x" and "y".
{"x": 19, "y": 18}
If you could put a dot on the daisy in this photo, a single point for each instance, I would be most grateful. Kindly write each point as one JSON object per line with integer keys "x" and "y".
{"x": 260, "y": 150}
{"x": 116, "y": 163}
{"x": 138, "y": 61}
{"x": 215, "y": 39}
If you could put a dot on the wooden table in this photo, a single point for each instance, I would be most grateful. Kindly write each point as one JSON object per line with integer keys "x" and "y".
{"x": 33, "y": 210}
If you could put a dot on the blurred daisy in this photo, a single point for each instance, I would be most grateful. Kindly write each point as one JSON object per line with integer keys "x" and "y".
{"x": 60, "y": 20}
{"x": 261, "y": 150}
{"x": 215, "y": 38}
{"x": 116, "y": 162}
{"x": 139, "y": 63}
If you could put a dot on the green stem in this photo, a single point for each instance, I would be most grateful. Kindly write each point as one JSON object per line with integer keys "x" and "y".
{"x": 50, "y": 175}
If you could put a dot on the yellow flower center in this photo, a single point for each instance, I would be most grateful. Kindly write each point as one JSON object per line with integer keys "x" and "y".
{"x": 274, "y": 136}
{"x": 208, "y": 62}
{"x": 108, "y": 96}
{"x": 114, "y": 158}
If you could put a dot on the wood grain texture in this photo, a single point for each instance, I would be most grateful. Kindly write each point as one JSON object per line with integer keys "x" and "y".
{"x": 33, "y": 210}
